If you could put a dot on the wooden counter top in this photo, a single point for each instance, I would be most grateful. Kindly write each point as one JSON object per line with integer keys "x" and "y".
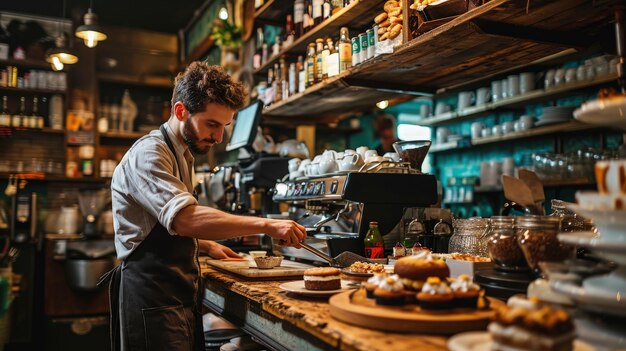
{"x": 310, "y": 316}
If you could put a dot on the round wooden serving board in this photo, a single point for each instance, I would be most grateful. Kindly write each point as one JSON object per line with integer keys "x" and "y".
{"x": 354, "y": 307}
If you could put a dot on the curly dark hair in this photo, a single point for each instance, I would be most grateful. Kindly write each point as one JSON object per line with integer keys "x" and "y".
{"x": 201, "y": 84}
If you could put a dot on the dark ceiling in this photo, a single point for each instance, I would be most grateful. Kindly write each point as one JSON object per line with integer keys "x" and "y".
{"x": 153, "y": 15}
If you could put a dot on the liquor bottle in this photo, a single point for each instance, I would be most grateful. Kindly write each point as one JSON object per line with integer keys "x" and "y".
{"x": 319, "y": 61}
{"x": 284, "y": 79}
{"x": 19, "y": 119}
{"x": 5, "y": 116}
{"x": 289, "y": 31}
{"x": 333, "y": 59}
{"x": 293, "y": 79}
{"x": 318, "y": 11}
{"x": 301, "y": 78}
{"x": 373, "y": 242}
{"x": 345, "y": 50}
{"x": 337, "y": 6}
{"x": 258, "y": 55}
{"x": 325, "y": 55}
{"x": 298, "y": 17}
{"x": 36, "y": 120}
{"x": 326, "y": 9}
{"x": 277, "y": 46}
{"x": 310, "y": 65}
{"x": 306, "y": 17}
{"x": 278, "y": 94}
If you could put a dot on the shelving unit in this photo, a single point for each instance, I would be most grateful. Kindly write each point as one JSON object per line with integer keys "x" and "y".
{"x": 272, "y": 10}
{"x": 147, "y": 81}
{"x": 122, "y": 135}
{"x": 26, "y": 63}
{"x": 33, "y": 90}
{"x": 546, "y": 183}
{"x": 51, "y": 178}
{"x": 566, "y": 127}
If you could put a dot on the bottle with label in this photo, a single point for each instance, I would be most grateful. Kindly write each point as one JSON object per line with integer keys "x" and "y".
{"x": 326, "y": 10}
{"x": 289, "y": 31}
{"x": 333, "y": 59}
{"x": 310, "y": 65}
{"x": 258, "y": 52}
{"x": 345, "y": 50}
{"x": 284, "y": 79}
{"x": 19, "y": 119}
{"x": 318, "y": 12}
{"x": 306, "y": 17}
{"x": 5, "y": 116}
{"x": 325, "y": 54}
{"x": 373, "y": 242}
{"x": 298, "y": 17}
{"x": 293, "y": 79}
{"x": 36, "y": 119}
{"x": 319, "y": 61}
{"x": 301, "y": 78}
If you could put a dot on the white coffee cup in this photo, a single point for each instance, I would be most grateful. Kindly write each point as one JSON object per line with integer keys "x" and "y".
{"x": 348, "y": 152}
{"x": 425, "y": 110}
{"x": 294, "y": 164}
{"x": 482, "y": 96}
{"x": 393, "y": 156}
{"x": 361, "y": 151}
{"x": 496, "y": 130}
{"x": 527, "y": 82}
{"x": 350, "y": 163}
{"x": 442, "y": 134}
{"x": 527, "y": 122}
{"x": 303, "y": 164}
{"x": 570, "y": 75}
{"x": 513, "y": 85}
{"x": 477, "y": 128}
{"x": 442, "y": 108}
{"x": 369, "y": 154}
{"x": 508, "y": 127}
{"x": 328, "y": 164}
{"x": 466, "y": 99}
{"x": 496, "y": 90}
{"x": 485, "y": 132}
{"x": 610, "y": 176}
{"x": 549, "y": 79}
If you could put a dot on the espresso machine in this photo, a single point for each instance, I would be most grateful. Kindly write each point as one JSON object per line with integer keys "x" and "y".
{"x": 336, "y": 210}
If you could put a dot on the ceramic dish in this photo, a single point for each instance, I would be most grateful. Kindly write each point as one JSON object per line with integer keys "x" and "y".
{"x": 609, "y": 250}
{"x": 606, "y": 112}
{"x": 592, "y": 299}
{"x": 610, "y": 224}
{"x": 297, "y": 287}
{"x": 601, "y": 331}
{"x": 481, "y": 341}
{"x": 593, "y": 200}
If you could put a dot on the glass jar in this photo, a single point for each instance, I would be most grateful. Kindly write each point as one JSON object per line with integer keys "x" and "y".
{"x": 537, "y": 237}
{"x": 502, "y": 245}
{"x": 570, "y": 221}
{"x": 467, "y": 236}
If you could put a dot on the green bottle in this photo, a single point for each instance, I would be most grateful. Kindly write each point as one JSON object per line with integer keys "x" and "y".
{"x": 374, "y": 242}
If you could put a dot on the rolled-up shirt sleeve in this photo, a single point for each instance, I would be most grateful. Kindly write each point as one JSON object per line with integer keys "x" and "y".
{"x": 155, "y": 186}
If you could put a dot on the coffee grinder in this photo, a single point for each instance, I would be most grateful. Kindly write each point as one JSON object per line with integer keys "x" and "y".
{"x": 92, "y": 203}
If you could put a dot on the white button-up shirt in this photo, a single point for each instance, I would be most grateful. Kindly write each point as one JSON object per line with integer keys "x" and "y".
{"x": 147, "y": 188}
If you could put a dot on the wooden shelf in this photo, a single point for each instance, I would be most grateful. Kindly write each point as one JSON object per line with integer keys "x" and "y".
{"x": 274, "y": 11}
{"x": 516, "y": 102}
{"x": 122, "y": 135}
{"x": 147, "y": 81}
{"x": 451, "y": 145}
{"x": 51, "y": 178}
{"x": 356, "y": 16}
{"x": 546, "y": 183}
{"x": 33, "y": 90}
{"x": 7, "y": 131}
{"x": 27, "y": 63}
{"x": 566, "y": 127}
{"x": 495, "y": 37}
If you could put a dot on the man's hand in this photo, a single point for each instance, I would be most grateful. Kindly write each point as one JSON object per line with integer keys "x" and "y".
{"x": 215, "y": 250}
{"x": 289, "y": 233}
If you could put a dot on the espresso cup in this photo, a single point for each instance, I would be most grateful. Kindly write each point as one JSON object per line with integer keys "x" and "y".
{"x": 442, "y": 108}
{"x": 425, "y": 110}
{"x": 466, "y": 99}
{"x": 482, "y": 96}
{"x": 508, "y": 127}
{"x": 496, "y": 90}
{"x": 513, "y": 85}
{"x": 477, "y": 128}
{"x": 527, "y": 82}
{"x": 442, "y": 134}
{"x": 611, "y": 176}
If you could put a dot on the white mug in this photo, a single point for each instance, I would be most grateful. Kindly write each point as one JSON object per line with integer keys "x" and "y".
{"x": 508, "y": 166}
{"x": 393, "y": 156}
{"x": 496, "y": 90}
{"x": 442, "y": 108}
{"x": 466, "y": 99}
{"x": 350, "y": 163}
{"x": 527, "y": 82}
{"x": 505, "y": 88}
{"x": 517, "y": 126}
{"x": 361, "y": 151}
{"x": 294, "y": 164}
{"x": 496, "y": 130}
{"x": 485, "y": 132}
{"x": 442, "y": 135}
{"x": 482, "y": 96}
{"x": 425, "y": 110}
{"x": 549, "y": 79}
{"x": 513, "y": 85}
{"x": 570, "y": 75}
{"x": 508, "y": 127}
{"x": 559, "y": 77}
{"x": 328, "y": 165}
{"x": 477, "y": 128}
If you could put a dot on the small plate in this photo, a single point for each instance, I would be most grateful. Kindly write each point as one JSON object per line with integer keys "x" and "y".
{"x": 590, "y": 300}
{"x": 607, "y": 249}
{"x": 606, "y": 112}
{"x": 297, "y": 287}
{"x": 481, "y": 341}
{"x": 610, "y": 224}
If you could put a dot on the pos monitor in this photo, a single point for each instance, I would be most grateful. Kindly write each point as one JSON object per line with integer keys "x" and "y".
{"x": 246, "y": 124}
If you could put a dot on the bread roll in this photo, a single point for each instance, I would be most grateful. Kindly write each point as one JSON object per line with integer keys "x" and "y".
{"x": 380, "y": 18}
{"x": 384, "y": 24}
{"x": 390, "y": 4}
{"x": 394, "y": 12}
{"x": 384, "y": 37}
{"x": 395, "y": 31}
{"x": 395, "y": 20}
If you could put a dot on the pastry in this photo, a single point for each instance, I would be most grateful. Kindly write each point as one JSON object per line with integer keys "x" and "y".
{"x": 394, "y": 12}
{"x": 372, "y": 283}
{"x": 390, "y": 5}
{"x": 378, "y": 19}
{"x": 322, "y": 279}
{"x": 414, "y": 270}
{"x": 395, "y": 31}
{"x": 390, "y": 292}
{"x": 435, "y": 295}
{"x": 384, "y": 24}
{"x": 528, "y": 325}
{"x": 465, "y": 292}
{"x": 364, "y": 267}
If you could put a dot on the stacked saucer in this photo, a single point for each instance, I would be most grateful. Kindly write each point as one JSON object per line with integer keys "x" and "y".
{"x": 555, "y": 114}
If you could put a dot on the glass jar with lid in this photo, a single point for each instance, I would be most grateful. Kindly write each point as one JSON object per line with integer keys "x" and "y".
{"x": 467, "y": 236}
{"x": 537, "y": 237}
{"x": 570, "y": 221}
{"x": 502, "y": 245}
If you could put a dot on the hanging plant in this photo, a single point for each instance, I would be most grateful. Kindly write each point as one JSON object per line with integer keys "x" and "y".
{"x": 226, "y": 34}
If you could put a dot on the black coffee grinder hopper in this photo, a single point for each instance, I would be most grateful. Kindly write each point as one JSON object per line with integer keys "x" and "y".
{"x": 92, "y": 202}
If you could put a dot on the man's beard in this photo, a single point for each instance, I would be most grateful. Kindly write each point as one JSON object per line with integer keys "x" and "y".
{"x": 190, "y": 136}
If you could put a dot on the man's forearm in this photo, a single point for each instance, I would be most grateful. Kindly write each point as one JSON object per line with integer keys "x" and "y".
{"x": 211, "y": 224}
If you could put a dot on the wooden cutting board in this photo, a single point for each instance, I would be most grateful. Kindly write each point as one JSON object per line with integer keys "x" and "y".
{"x": 286, "y": 270}
{"x": 354, "y": 308}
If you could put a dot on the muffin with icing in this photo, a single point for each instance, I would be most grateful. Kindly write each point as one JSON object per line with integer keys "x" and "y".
{"x": 414, "y": 270}
{"x": 435, "y": 295}
{"x": 465, "y": 292}
{"x": 390, "y": 292}
{"x": 529, "y": 325}
{"x": 372, "y": 283}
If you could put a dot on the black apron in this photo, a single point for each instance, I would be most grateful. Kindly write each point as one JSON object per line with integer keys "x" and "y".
{"x": 155, "y": 295}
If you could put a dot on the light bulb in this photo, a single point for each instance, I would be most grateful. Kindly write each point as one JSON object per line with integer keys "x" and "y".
{"x": 382, "y": 104}
{"x": 91, "y": 40}
{"x": 223, "y": 14}
{"x": 56, "y": 64}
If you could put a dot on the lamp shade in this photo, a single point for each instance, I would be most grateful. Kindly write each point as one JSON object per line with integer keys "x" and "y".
{"x": 90, "y": 32}
{"x": 61, "y": 53}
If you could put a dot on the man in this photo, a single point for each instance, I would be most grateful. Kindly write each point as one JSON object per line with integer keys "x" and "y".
{"x": 159, "y": 226}
{"x": 385, "y": 131}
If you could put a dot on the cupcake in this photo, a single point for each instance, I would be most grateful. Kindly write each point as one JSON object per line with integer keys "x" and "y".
{"x": 372, "y": 283}
{"x": 413, "y": 270}
{"x": 465, "y": 292}
{"x": 435, "y": 295}
{"x": 390, "y": 292}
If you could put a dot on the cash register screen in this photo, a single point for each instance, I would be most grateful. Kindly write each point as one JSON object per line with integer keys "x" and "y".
{"x": 246, "y": 123}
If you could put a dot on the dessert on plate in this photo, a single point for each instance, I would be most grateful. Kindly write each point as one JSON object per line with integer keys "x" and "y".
{"x": 325, "y": 278}
{"x": 372, "y": 283}
{"x": 414, "y": 270}
{"x": 529, "y": 325}
{"x": 364, "y": 267}
{"x": 390, "y": 292}
{"x": 435, "y": 295}
{"x": 465, "y": 292}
